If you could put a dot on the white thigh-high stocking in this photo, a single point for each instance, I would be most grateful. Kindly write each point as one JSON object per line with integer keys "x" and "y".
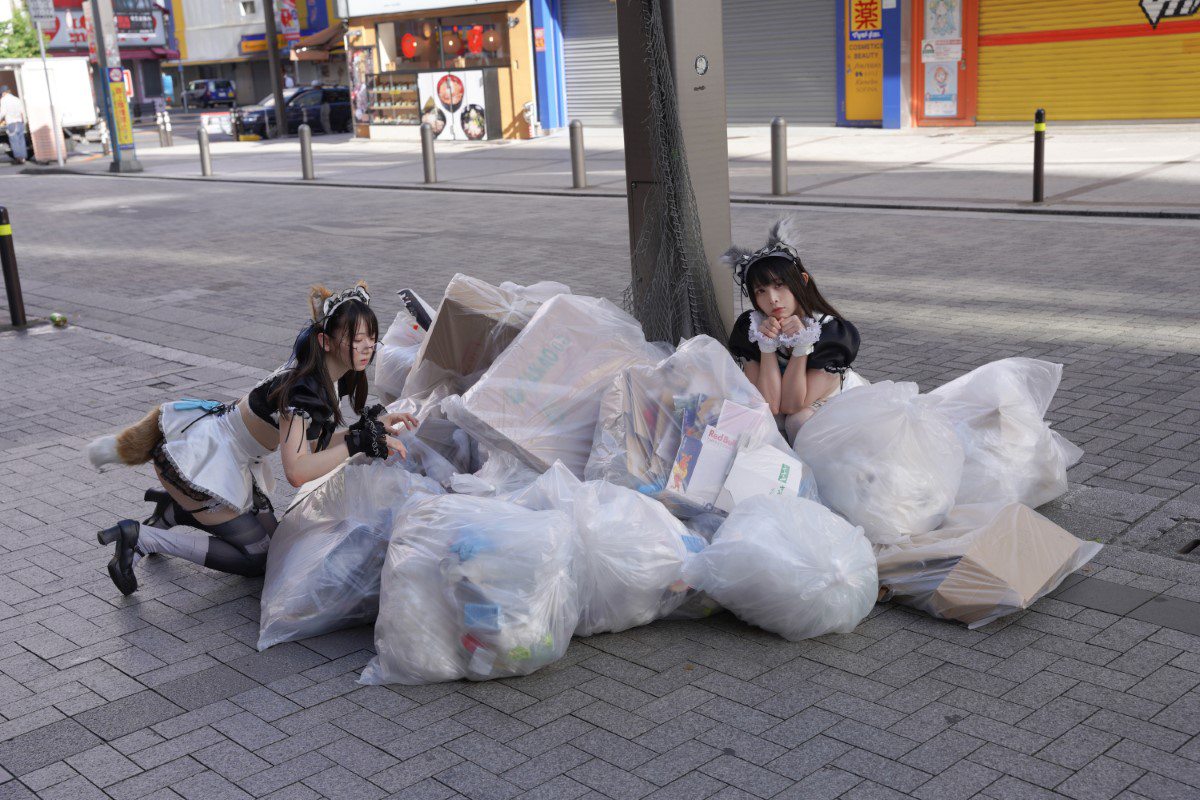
{"x": 179, "y": 542}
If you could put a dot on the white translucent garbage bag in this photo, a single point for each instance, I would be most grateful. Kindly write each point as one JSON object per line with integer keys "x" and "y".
{"x": 474, "y": 587}
{"x": 631, "y": 550}
{"x": 674, "y": 429}
{"x": 541, "y": 397}
{"x": 1012, "y": 455}
{"x": 987, "y": 560}
{"x": 474, "y": 323}
{"x": 325, "y": 558}
{"x": 790, "y": 566}
{"x": 396, "y": 354}
{"x": 885, "y": 458}
{"x": 500, "y": 476}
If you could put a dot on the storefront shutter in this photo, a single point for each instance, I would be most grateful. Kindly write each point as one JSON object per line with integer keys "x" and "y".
{"x": 1086, "y": 60}
{"x": 780, "y": 57}
{"x": 590, "y": 61}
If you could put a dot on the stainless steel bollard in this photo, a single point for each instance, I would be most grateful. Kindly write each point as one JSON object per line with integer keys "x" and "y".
{"x": 167, "y": 127}
{"x": 779, "y": 156}
{"x": 427, "y": 155}
{"x": 162, "y": 132}
{"x": 205, "y": 157}
{"x": 306, "y": 161}
{"x": 578, "y": 162}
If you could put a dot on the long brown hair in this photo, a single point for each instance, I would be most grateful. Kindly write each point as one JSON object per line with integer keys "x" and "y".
{"x": 781, "y": 270}
{"x": 308, "y": 356}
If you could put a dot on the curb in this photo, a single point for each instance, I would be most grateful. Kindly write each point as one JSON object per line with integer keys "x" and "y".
{"x": 1024, "y": 209}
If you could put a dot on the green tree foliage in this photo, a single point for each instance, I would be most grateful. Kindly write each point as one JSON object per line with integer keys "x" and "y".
{"x": 18, "y": 37}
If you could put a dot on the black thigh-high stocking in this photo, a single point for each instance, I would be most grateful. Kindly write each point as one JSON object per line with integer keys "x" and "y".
{"x": 238, "y": 546}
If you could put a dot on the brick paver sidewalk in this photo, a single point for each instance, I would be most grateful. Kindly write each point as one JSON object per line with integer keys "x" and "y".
{"x": 1091, "y": 694}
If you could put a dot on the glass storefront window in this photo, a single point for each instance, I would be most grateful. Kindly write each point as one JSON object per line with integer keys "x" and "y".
{"x": 478, "y": 40}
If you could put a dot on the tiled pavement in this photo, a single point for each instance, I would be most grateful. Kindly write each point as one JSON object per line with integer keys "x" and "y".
{"x": 1094, "y": 693}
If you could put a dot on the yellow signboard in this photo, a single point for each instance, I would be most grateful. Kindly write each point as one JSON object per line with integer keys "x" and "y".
{"x": 120, "y": 104}
{"x": 864, "y": 60}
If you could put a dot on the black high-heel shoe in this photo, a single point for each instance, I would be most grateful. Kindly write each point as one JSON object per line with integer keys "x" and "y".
{"x": 162, "y": 501}
{"x": 120, "y": 568}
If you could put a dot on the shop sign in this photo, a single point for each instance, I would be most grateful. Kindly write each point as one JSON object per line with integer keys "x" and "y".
{"x": 288, "y": 20}
{"x": 68, "y": 31}
{"x": 1158, "y": 10}
{"x": 257, "y": 43}
{"x": 864, "y": 60}
{"x": 942, "y": 50}
{"x": 120, "y": 108}
{"x": 362, "y": 8}
{"x": 41, "y": 12}
{"x": 539, "y": 40}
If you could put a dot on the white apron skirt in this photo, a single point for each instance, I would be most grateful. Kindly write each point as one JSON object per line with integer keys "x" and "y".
{"x": 214, "y": 452}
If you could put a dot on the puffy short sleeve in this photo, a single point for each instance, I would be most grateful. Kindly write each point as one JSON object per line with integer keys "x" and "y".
{"x": 739, "y": 340}
{"x": 305, "y": 401}
{"x": 837, "y": 347}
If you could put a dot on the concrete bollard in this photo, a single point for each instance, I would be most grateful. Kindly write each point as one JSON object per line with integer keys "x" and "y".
{"x": 427, "y": 155}
{"x": 578, "y": 162}
{"x": 779, "y": 157}
{"x": 205, "y": 157}
{"x": 306, "y": 159}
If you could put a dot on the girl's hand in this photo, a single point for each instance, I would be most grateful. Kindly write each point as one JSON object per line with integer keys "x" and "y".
{"x": 770, "y": 328}
{"x": 791, "y": 325}
{"x": 397, "y": 423}
{"x": 394, "y": 446}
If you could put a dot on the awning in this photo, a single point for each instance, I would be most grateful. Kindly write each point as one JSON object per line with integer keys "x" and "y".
{"x": 319, "y": 45}
{"x": 322, "y": 39}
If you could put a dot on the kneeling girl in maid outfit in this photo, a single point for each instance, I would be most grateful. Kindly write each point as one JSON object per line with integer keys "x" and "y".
{"x": 209, "y": 455}
{"x": 794, "y": 345}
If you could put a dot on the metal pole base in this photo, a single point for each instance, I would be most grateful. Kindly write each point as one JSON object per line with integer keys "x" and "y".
{"x": 125, "y": 165}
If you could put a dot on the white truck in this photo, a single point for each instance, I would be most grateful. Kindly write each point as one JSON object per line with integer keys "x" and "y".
{"x": 74, "y": 101}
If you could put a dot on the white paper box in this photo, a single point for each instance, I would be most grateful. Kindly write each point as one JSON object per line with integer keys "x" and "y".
{"x": 763, "y": 470}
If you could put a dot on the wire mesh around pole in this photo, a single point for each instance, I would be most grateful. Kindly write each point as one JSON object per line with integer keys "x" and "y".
{"x": 679, "y": 301}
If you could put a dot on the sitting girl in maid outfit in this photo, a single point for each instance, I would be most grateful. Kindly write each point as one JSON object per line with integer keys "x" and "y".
{"x": 209, "y": 455}
{"x": 791, "y": 327}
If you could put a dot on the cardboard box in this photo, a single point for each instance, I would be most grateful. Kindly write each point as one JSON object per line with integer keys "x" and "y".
{"x": 985, "y": 561}
{"x": 474, "y": 324}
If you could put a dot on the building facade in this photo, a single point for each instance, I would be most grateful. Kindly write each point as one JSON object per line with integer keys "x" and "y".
{"x": 227, "y": 39}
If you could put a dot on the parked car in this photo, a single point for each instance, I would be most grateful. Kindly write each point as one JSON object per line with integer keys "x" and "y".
{"x": 211, "y": 92}
{"x": 302, "y": 104}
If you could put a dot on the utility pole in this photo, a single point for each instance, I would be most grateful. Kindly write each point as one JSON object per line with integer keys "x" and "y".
{"x": 273, "y": 59}
{"x": 112, "y": 87}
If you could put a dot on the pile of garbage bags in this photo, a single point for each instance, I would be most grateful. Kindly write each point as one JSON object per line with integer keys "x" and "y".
{"x": 570, "y": 478}
{"x": 676, "y": 430}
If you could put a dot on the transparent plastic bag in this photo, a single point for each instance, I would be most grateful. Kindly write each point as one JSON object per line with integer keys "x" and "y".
{"x": 1012, "y": 455}
{"x": 790, "y": 566}
{"x": 474, "y": 587}
{"x": 885, "y": 458}
{"x": 673, "y": 429}
{"x": 396, "y": 355}
{"x": 541, "y": 398}
{"x": 325, "y": 557}
{"x": 500, "y": 476}
{"x": 631, "y": 550}
{"x": 987, "y": 560}
{"x": 474, "y": 323}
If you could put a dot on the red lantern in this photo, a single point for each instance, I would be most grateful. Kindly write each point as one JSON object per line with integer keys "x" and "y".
{"x": 408, "y": 45}
{"x": 475, "y": 39}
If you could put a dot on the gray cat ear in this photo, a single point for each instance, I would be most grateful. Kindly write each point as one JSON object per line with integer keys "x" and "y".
{"x": 733, "y": 255}
{"x": 786, "y": 232}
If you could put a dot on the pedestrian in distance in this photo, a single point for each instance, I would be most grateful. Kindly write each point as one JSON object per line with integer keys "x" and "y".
{"x": 12, "y": 116}
{"x": 209, "y": 456}
{"x": 794, "y": 345}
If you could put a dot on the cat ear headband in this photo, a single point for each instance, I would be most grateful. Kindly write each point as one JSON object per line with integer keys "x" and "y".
{"x": 779, "y": 243}
{"x": 324, "y": 303}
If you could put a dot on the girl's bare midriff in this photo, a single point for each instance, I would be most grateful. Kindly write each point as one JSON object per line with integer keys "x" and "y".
{"x": 264, "y": 433}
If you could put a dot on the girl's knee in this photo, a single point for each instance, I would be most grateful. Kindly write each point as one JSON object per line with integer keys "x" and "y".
{"x": 793, "y": 423}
